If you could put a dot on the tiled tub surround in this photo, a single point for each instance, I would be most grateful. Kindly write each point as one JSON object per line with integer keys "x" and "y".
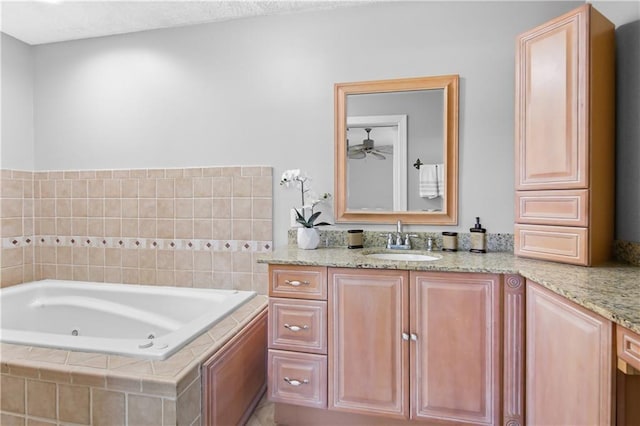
{"x": 194, "y": 227}
{"x": 49, "y": 386}
{"x": 612, "y": 290}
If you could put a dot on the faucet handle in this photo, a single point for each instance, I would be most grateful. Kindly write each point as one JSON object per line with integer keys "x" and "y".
{"x": 399, "y": 227}
{"x": 407, "y": 241}
{"x": 430, "y": 243}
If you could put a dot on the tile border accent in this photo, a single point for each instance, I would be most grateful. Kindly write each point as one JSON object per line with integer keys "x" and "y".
{"x": 192, "y": 244}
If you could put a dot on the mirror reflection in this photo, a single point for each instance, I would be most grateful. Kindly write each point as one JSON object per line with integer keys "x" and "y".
{"x": 396, "y": 150}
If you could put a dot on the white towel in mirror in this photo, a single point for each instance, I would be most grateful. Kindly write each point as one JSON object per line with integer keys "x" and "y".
{"x": 431, "y": 180}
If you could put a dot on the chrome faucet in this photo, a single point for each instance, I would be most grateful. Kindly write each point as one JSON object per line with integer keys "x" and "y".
{"x": 397, "y": 241}
{"x": 430, "y": 244}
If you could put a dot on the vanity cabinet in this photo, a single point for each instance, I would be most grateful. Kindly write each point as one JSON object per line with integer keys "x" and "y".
{"x": 415, "y": 345}
{"x": 565, "y": 137}
{"x": 569, "y": 362}
{"x": 628, "y": 377}
{"x": 297, "y": 335}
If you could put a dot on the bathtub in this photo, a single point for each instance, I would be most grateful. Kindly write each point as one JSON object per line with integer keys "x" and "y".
{"x": 133, "y": 320}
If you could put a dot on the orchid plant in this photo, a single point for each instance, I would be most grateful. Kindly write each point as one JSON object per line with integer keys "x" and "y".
{"x": 310, "y": 199}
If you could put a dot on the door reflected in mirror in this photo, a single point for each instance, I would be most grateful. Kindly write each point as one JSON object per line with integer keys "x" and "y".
{"x": 396, "y": 150}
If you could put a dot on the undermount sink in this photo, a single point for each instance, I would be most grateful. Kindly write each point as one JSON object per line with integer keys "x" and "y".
{"x": 409, "y": 257}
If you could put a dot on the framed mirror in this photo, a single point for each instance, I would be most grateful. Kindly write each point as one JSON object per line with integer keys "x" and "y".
{"x": 396, "y": 151}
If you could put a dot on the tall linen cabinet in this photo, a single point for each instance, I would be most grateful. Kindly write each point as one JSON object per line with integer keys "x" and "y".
{"x": 565, "y": 137}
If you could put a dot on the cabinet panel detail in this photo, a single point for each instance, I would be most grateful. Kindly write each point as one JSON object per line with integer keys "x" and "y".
{"x": 299, "y": 379}
{"x": 562, "y": 207}
{"x": 298, "y": 282}
{"x": 456, "y": 361}
{"x": 551, "y": 90}
{"x": 368, "y": 359}
{"x": 513, "y": 348}
{"x": 565, "y": 244}
{"x": 628, "y": 344}
{"x": 569, "y": 362}
{"x": 298, "y": 325}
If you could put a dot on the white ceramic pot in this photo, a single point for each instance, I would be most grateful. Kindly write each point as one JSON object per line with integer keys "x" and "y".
{"x": 308, "y": 238}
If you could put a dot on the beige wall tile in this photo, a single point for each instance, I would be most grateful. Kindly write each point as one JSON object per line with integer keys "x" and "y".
{"x": 112, "y": 188}
{"x": 202, "y": 279}
{"x": 251, "y": 171}
{"x": 80, "y": 255}
{"x": 74, "y": 404}
{"x": 231, "y": 171}
{"x": 10, "y": 420}
{"x": 165, "y": 208}
{"x": 242, "y": 262}
{"x": 95, "y": 207}
{"x": 221, "y": 208}
{"x": 11, "y": 207}
{"x": 222, "y": 280}
{"x": 95, "y": 188}
{"x": 79, "y": 207}
{"x": 104, "y": 174}
{"x": 262, "y": 186}
{"x": 138, "y": 173}
{"x": 202, "y": 208}
{"x": 144, "y": 410}
{"x": 130, "y": 258}
{"x": 47, "y": 207}
{"x": 113, "y": 275}
{"x": 184, "y": 228}
{"x": 147, "y": 276}
{"x": 147, "y": 188}
{"x": 11, "y": 257}
{"x": 79, "y": 188}
{"x": 155, "y": 173}
{"x": 192, "y": 172}
{"x": 96, "y": 274}
{"x": 130, "y": 228}
{"x": 80, "y": 273}
{"x": 108, "y": 407}
{"x": 113, "y": 228}
{"x": 221, "y": 229}
{"x": 184, "y": 278}
{"x": 113, "y": 207}
{"x": 63, "y": 226}
{"x": 242, "y": 208}
{"x": 202, "y": 187}
{"x": 11, "y": 227}
{"x": 165, "y": 259}
{"x": 260, "y": 283}
{"x": 130, "y": 207}
{"x": 96, "y": 227}
{"x": 184, "y": 188}
{"x": 241, "y": 229}
{"x": 129, "y": 188}
{"x": 130, "y": 276}
{"x": 165, "y": 228}
{"x": 221, "y": 187}
{"x": 41, "y": 399}
{"x": 188, "y": 404}
{"x": 202, "y": 260}
{"x": 12, "y": 394}
{"x": 64, "y": 255}
{"x": 202, "y": 229}
{"x": 63, "y": 207}
{"x": 241, "y": 186}
{"x": 113, "y": 257}
{"x": 165, "y": 188}
{"x": 242, "y": 280}
{"x": 148, "y": 258}
{"x": 165, "y": 277}
{"x": 262, "y": 208}
{"x": 147, "y": 208}
{"x": 262, "y": 230}
{"x": 63, "y": 189}
{"x": 184, "y": 207}
{"x": 64, "y": 272}
{"x": 222, "y": 262}
{"x": 47, "y": 189}
{"x": 184, "y": 260}
{"x": 11, "y": 188}
{"x": 168, "y": 412}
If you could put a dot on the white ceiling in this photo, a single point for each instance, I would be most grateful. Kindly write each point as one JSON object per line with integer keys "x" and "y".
{"x": 39, "y": 22}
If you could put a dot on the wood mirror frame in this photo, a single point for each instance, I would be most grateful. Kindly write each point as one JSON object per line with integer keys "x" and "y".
{"x": 449, "y": 213}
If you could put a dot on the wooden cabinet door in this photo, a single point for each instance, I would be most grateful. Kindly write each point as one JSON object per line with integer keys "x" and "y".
{"x": 455, "y": 339}
{"x": 551, "y": 104}
{"x": 569, "y": 362}
{"x": 368, "y": 358}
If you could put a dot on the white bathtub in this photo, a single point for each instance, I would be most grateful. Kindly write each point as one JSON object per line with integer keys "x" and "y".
{"x": 142, "y": 321}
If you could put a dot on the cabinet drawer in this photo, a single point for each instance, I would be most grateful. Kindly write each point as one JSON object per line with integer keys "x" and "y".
{"x": 298, "y": 325}
{"x": 555, "y": 243}
{"x": 300, "y": 282}
{"x": 299, "y": 379}
{"x": 567, "y": 208}
{"x": 628, "y": 344}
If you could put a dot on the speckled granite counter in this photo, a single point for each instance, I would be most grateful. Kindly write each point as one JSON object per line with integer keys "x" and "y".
{"x": 611, "y": 290}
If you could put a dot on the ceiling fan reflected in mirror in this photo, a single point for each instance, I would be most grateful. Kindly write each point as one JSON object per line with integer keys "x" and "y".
{"x": 368, "y": 148}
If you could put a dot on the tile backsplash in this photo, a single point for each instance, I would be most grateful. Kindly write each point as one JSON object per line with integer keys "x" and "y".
{"x": 195, "y": 227}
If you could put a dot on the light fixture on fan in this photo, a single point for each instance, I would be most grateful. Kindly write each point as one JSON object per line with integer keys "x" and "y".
{"x": 367, "y": 147}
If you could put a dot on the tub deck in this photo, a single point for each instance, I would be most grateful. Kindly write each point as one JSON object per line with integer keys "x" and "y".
{"x": 170, "y": 384}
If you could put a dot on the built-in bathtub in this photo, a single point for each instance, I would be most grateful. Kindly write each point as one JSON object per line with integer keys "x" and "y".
{"x": 142, "y": 321}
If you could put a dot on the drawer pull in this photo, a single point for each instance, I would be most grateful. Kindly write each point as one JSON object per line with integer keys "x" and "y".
{"x": 296, "y": 283}
{"x": 296, "y": 327}
{"x": 294, "y": 382}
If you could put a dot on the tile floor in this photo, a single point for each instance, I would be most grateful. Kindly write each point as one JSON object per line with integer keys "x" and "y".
{"x": 263, "y": 414}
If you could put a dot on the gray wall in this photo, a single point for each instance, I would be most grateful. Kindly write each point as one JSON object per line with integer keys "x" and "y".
{"x": 260, "y": 91}
{"x": 16, "y": 137}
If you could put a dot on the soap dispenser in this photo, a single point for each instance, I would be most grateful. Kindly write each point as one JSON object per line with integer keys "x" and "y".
{"x": 478, "y": 238}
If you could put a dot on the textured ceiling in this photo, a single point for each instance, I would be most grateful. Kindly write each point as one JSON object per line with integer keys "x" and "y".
{"x": 38, "y": 22}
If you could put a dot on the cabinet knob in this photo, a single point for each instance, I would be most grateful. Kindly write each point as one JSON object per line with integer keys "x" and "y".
{"x": 296, "y": 382}
{"x": 405, "y": 336}
{"x": 296, "y": 283}
{"x": 414, "y": 337}
{"x": 296, "y": 327}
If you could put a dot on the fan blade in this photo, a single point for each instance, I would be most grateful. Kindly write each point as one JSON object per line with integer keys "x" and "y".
{"x": 377, "y": 156}
{"x": 357, "y": 155}
{"x": 386, "y": 149}
{"x": 356, "y": 147}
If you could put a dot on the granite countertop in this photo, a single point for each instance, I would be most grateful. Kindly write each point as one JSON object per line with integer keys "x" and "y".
{"x": 611, "y": 290}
